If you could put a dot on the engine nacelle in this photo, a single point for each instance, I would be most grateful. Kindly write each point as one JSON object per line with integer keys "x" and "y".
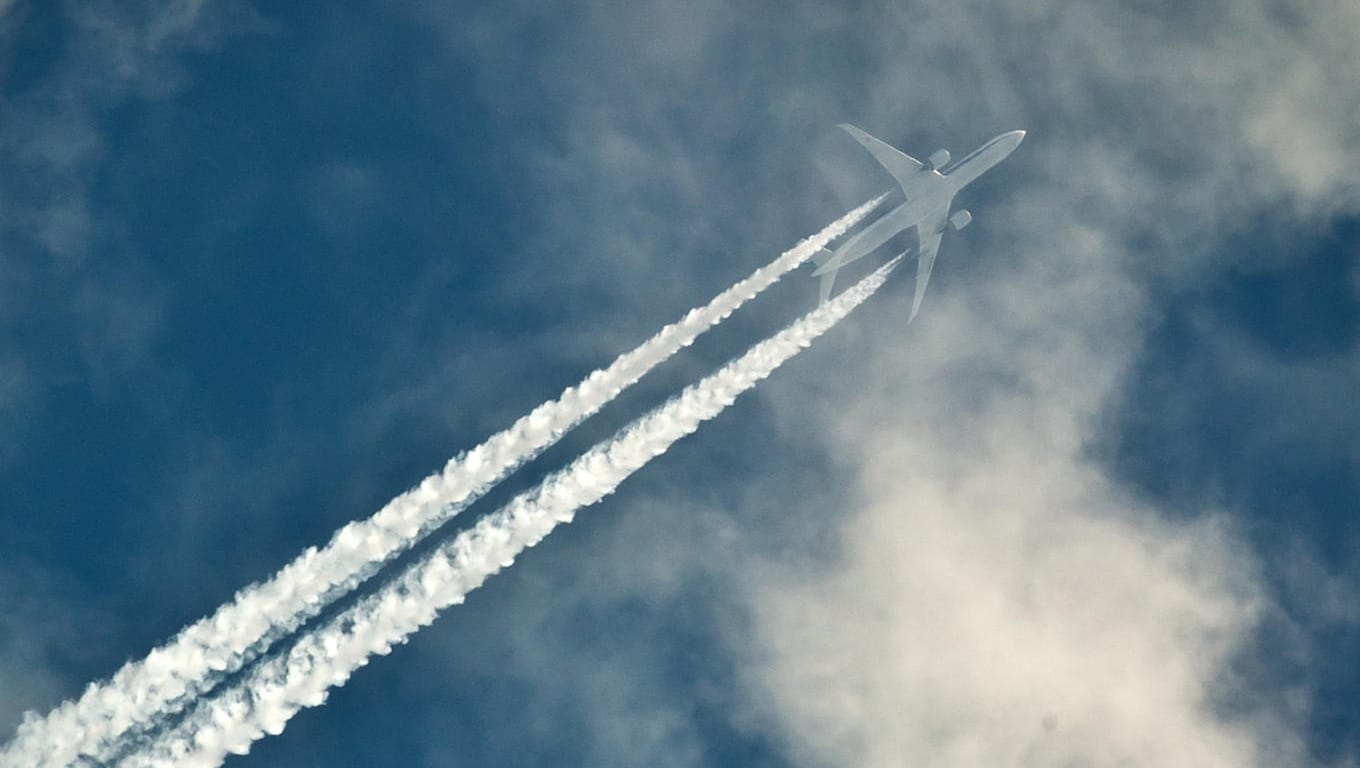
{"x": 959, "y": 220}
{"x": 939, "y": 160}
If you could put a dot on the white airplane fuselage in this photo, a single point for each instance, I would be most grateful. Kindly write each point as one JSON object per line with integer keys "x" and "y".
{"x": 911, "y": 213}
{"x": 927, "y": 204}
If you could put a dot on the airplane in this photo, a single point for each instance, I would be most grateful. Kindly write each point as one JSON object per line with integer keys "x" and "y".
{"x": 929, "y": 188}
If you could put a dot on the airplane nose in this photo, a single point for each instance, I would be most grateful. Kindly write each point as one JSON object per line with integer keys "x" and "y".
{"x": 1010, "y": 140}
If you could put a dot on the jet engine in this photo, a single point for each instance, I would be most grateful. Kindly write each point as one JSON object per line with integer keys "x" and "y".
{"x": 959, "y": 220}
{"x": 939, "y": 160}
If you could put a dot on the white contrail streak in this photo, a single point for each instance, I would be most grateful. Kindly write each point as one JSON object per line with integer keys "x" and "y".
{"x": 201, "y": 654}
{"x": 279, "y": 687}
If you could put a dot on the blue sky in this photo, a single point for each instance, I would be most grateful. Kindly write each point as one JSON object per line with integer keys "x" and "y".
{"x": 264, "y": 267}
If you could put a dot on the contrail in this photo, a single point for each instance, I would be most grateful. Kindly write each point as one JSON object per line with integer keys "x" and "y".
{"x": 271, "y": 693}
{"x": 203, "y": 653}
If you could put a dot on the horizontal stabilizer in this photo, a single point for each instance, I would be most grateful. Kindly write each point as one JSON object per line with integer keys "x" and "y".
{"x": 821, "y": 257}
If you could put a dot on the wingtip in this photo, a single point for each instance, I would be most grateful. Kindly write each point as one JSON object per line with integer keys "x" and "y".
{"x": 824, "y": 287}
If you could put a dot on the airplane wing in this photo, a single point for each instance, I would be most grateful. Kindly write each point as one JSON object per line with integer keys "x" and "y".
{"x": 902, "y": 166}
{"x": 930, "y": 246}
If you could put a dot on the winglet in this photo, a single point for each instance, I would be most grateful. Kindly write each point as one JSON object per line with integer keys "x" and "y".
{"x": 916, "y": 302}
{"x": 822, "y": 258}
{"x": 828, "y": 278}
{"x": 929, "y": 247}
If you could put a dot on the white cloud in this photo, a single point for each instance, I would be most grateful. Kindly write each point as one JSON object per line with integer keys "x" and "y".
{"x": 996, "y": 601}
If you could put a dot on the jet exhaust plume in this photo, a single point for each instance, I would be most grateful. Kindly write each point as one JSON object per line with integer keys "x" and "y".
{"x": 280, "y": 686}
{"x": 202, "y": 654}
